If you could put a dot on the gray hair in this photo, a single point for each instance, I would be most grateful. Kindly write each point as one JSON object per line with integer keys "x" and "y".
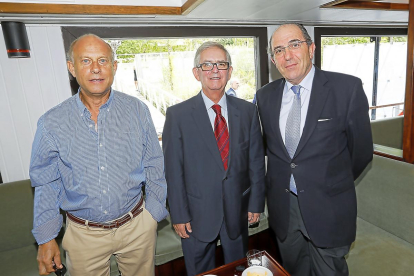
{"x": 305, "y": 34}
{"x": 205, "y": 46}
{"x": 233, "y": 80}
{"x": 69, "y": 54}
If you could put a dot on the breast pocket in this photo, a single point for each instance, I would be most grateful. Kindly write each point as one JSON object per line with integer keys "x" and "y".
{"x": 327, "y": 123}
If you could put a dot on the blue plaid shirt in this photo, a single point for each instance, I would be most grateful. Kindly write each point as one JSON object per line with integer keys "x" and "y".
{"x": 95, "y": 174}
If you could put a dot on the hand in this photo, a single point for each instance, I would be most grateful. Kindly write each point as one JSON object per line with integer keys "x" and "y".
{"x": 253, "y": 217}
{"x": 48, "y": 254}
{"x": 181, "y": 228}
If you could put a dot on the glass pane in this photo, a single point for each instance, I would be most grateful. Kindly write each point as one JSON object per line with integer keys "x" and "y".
{"x": 163, "y": 69}
{"x": 391, "y": 76}
{"x": 350, "y": 55}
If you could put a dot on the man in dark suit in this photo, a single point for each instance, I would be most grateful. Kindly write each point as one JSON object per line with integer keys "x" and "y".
{"x": 318, "y": 141}
{"x": 214, "y": 162}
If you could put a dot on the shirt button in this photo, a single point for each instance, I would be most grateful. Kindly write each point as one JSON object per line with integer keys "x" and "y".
{"x": 103, "y": 168}
{"x": 104, "y": 191}
{"x": 105, "y": 212}
{"x": 90, "y": 125}
{"x": 100, "y": 144}
{"x": 292, "y": 165}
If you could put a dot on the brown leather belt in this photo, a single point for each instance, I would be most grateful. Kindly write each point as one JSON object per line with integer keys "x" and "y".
{"x": 109, "y": 225}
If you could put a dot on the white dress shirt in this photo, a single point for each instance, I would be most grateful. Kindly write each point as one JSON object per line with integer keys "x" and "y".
{"x": 287, "y": 101}
{"x": 211, "y": 114}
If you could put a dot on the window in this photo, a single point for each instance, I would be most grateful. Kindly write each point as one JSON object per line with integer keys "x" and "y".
{"x": 379, "y": 58}
{"x": 380, "y": 62}
{"x": 250, "y": 63}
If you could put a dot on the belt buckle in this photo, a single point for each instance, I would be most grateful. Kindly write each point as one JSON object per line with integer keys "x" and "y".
{"x": 106, "y": 226}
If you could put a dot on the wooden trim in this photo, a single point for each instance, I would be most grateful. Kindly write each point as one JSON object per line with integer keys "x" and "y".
{"x": 389, "y": 156}
{"x": 408, "y": 138}
{"x": 385, "y": 105}
{"x": 29, "y": 8}
{"x": 189, "y": 6}
{"x": 366, "y": 5}
{"x": 332, "y": 4}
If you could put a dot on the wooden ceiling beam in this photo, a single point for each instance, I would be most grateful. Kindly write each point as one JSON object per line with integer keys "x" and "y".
{"x": 189, "y": 6}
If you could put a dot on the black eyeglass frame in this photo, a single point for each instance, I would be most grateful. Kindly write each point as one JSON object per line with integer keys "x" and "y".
{"x": 213, "y": 63}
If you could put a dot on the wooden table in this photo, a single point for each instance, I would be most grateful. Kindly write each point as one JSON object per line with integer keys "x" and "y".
{"x": 230, "y": 269}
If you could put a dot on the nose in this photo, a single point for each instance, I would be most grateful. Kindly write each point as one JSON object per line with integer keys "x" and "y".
{"x": 215, "y": 67}
{"x": 95, "y": 67}
{"x": 287, "y": 53}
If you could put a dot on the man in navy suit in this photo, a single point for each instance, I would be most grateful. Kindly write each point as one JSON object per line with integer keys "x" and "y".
{"x": 234, "y": 85}
{"x": 318, "y": 141}
{"x": 214, "y": 161}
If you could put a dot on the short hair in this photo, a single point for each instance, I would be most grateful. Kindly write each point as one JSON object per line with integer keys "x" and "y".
{"x": 207, "y": 45}
{"x": 305, "y": 34}
{"x": 234, "y": 80}
{"x": 69, "y": 54}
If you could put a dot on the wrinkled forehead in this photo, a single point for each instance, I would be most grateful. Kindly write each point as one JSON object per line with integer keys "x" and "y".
{"x": 285, "y": 34}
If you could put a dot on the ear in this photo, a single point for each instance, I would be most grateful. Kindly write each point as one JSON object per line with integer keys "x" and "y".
{"x": 230, "y": 71}
{"x": 115, "y": 65}
{"x": 273, "y": 61}
{"x": 312, "y": 48}
{"x": 195, "y": 73}
{"x": 71, "y": 68}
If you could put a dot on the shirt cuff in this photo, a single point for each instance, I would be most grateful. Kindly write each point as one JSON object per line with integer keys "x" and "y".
{"x": 156, "y": 208}
{"x": 48, "y": 231}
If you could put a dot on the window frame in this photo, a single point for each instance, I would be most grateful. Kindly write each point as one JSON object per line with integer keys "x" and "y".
{"x": 374, "y": 33}
{"x": 70, "y": 33}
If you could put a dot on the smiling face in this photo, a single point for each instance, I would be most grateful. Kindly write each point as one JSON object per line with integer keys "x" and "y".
{"x": 93, "y": 66}
{"x": 294, "y": 64}
{"x": 213, "y": 82}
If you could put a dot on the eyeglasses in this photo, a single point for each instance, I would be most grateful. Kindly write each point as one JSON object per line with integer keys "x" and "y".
{"x": 208, "y": 66}
{"x": 293, "y": 45}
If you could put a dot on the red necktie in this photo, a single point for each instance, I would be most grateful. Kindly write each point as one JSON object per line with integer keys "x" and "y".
{"x": 222, "y": 134}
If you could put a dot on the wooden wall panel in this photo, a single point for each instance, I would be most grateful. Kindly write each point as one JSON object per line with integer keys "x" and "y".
{"x": 28, "y": 88}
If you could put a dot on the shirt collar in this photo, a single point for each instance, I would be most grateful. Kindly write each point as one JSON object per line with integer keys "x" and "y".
{"x": 82, "y": 107}
{"x": 306, "y": 83}
{"x": 209, "y": 103}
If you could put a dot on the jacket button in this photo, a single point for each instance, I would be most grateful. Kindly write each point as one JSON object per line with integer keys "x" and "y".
{"x": 292, "y": 165}
{"x": 286, "y": 190}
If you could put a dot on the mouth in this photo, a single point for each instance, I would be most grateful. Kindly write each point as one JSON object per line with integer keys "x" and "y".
{"x": 290, "y": 66}
{"x": 96, "y": 80}
{"x": 215, "y": 78}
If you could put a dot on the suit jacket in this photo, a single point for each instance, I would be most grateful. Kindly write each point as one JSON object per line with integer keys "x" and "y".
{"x": 231, "y": 92}
{"x": 200, "y": 191}
{"x": 335, "y": 147}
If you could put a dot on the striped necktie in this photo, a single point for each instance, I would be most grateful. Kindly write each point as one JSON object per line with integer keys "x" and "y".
{"x": 292, "y": 134}
{"x": 222, "y": 134}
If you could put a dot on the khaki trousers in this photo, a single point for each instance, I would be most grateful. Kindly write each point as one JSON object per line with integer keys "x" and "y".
{"x": 89, "y": 249}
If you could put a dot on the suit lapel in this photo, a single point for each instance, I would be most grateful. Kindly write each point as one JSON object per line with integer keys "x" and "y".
{"x": 317, "y": 101}
{"x": 234, "y": 125}
{"x": 276, "y": 100}
{"x": 202, "y": 121}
